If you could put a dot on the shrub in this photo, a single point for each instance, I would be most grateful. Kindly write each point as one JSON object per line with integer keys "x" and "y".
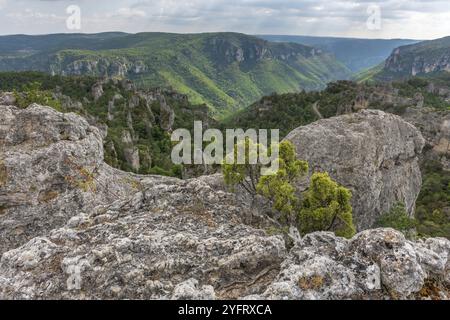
{"x": 326, "y": 207}
{"x": 279, "y": 187}
{"x": 33, "y": 93}
{"x": 246, "y": 175}
{"x": 397, "y": 218}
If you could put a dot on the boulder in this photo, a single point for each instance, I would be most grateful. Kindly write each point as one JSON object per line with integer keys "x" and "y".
{"x": 51, "y": 169}
{"x": 7, "y": 99}
{"x": 374, "y": 154}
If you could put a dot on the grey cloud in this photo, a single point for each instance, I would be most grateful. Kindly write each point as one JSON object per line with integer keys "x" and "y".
{"x": 339, "y": 17}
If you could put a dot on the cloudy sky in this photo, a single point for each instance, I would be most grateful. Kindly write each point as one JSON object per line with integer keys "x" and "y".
{"x": 417, "y": 19}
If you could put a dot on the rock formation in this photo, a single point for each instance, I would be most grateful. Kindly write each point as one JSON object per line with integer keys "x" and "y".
{"x": 74, "y": 228}
{"x": 435, "y": 127}
{"x": 374, "y": 154}
{"x": 375, "y": 264}
{"x": 52, "y": 169}
{"x": 7, "y": 98}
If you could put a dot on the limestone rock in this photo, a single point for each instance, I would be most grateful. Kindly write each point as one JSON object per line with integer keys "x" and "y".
{"x": 372, "y": 153}
{"x": 435, "y": 127}
{"x": 7, "y": 99}
{"x": 375, "y": 264}
{"x": 97, "y": 91}
{"x": 52, "y": 169}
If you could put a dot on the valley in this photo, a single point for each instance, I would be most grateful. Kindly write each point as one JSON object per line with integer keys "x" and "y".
{"x": 226, "y": 71}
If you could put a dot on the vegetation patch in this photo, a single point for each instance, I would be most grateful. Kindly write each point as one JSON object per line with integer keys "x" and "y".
{"x": 324, "y": 206}
{"x": 47, "y": 196}
{"x": 3, "y": 174}
{"x": 84, "y": 180}
{"x": 398, "y": 218}
{"x": 314, "y": 282}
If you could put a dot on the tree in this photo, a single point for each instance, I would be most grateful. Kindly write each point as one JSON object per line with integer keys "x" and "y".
{"x": 244, "y": 174}
{"x": 397, "y": 218}
{"x": 32, "y": 93}
{"x": 326, "y": 207}
{"x": 279, "y": 187}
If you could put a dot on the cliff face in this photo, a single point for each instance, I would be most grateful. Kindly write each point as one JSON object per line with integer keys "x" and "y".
{"x": 418, "y": 59}
{"x": 435, "y": 127}
{"x": 231, "y": 49}
{"x": 52, "y": 167}
{"x": 74, "y": 228}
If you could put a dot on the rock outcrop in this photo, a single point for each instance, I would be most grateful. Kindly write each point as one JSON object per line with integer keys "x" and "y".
{"x": 375, "y": 264}
{"x": 435, "y": 127}
{"x": 150, "y": 237}
{"x": 374, "y": 154}
{"x": 7, "y": 98}
{"x": 52, "y": 169}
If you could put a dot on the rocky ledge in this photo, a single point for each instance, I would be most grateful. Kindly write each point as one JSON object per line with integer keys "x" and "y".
{"x": 77, "y": 229}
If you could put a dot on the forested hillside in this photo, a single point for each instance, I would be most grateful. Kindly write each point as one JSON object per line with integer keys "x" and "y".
{"x": 224, "y": 70}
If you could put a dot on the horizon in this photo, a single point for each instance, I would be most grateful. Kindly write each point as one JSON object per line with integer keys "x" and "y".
{"x": 216, "y": 32}
{"x": 356, "y": 19}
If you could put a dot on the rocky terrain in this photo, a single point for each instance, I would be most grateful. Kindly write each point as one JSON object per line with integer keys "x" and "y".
{"x": 423, "y": 102}
{"x": 74, "y": 228}
{"x": 435, "y": 127}
{"x": 356, "y": 54}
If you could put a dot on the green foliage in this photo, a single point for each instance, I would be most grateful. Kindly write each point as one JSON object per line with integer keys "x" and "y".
{"x": 203, "y": 66}
{"x": 279, "y": 187}
{"x": 355, "y": 54}
{"x": 33, "y": 93}
{"x": 432, "y": 206}
{"x": 63, "y": 93}
{"x": 291, "y": 110}
{"x": 326, "y": 207}
{"x": 397, "y": 218}
{"x": 246, "y": 174}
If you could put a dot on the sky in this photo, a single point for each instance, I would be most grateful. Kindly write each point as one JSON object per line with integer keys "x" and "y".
{"x": 412, "y": 19}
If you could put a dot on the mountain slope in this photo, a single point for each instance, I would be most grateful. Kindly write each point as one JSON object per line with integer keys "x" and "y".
{"x": 355, "y": 54}
{"x": 427, "y": 58}
{"x": 224, "y": 70}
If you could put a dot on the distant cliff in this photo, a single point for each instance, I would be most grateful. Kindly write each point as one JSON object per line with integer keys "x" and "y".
{"x": 421, "y": 59}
